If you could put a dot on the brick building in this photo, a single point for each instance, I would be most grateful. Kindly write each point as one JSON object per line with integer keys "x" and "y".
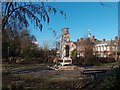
{"x": 104, "y": 48}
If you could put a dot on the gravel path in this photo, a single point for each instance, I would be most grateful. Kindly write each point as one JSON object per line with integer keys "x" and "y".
{"x": 47, "y": 72}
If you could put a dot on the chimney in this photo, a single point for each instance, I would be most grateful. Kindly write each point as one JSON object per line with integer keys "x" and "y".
{"x": 93, "y": 38}
{"x": 104, "y": 40}
{"x": 77, "y": 40}
{"x": 116, "y": 38}
{"x": 81, "y": 39}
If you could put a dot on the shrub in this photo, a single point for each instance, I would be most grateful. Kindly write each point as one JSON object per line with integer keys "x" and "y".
{"x": 79, "y": 61}
{"x": 74, "y": 56}
{"x": 106, "y": 60}
{"x": 5, "y": 87}
{"x": 17, "y": 85}
{"x": 90, "y": 60}
{"x": 112, "y": 80}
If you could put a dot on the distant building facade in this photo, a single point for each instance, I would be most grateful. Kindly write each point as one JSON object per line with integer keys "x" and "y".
{"x": 100, "y": 48}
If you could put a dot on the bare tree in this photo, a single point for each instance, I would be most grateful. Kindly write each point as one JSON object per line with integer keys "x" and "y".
{"x": 16, "y": 15}
{"x": 46, "y": 49}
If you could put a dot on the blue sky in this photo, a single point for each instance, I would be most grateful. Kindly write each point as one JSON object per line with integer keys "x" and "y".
{"x": 81, "y": 16}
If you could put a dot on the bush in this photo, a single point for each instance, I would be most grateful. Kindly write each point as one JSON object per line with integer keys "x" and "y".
{"x": 55, "y": 60}
{"x": 79, "y": 61}
{"x": 106, "y": 60}
{"x": 17, "y": 85}
{"x": 90, "y": 60}
{"x": 74, "y": 56}
{"x": 112, "y": 80}
{"x": 5, "y": 87}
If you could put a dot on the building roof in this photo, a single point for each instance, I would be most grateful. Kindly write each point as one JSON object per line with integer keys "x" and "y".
{"x": 75, "y": 43}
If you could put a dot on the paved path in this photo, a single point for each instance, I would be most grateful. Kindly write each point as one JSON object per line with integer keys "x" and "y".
{"x": 38, "y": 71}
{"x": 47, "y": 72}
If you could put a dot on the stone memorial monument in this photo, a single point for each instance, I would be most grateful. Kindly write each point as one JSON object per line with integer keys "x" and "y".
{"x": 65, "y": 47}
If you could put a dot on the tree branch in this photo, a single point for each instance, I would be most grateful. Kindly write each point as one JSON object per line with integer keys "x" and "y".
{"x": 4, "y": 20}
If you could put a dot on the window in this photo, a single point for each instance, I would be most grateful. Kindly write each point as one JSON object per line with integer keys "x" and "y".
{"x": 67, "y": 61}
{"x": 67, "y": 50}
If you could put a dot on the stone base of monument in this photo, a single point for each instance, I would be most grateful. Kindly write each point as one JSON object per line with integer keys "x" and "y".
{"x": 65, "y": 67}
{"x": 66, "y": 61}
{"x": 65, "y": 64}
{"x": 68, "y": 68}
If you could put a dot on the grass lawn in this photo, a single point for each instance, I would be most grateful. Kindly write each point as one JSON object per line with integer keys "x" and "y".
{"x": 24, "y": 65}
{"x": 42, "y": 78}
{"x": 108, "y": 65}
{"x": 41, "y": 82}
